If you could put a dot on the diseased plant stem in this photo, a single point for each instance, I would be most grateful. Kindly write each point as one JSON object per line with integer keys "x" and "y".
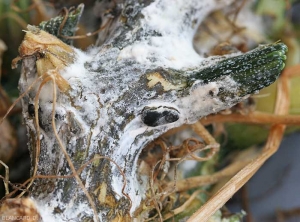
{"x": 121, "y": 96}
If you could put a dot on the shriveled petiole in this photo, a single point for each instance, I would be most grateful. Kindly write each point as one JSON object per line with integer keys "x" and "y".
{"x": 50, "y": 52}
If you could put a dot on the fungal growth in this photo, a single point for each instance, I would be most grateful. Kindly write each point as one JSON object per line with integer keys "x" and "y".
{"x": 155, "y": 116}
{"x": 115, "y": 99}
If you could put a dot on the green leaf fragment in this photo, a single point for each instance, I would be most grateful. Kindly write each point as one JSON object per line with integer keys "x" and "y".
{"x": 53, "y": 26}
{"x": 252, "y": 71}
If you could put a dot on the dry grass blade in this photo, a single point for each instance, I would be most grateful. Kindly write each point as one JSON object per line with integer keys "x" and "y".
{"x": 193, "y": 182}
{"x": 183, "y": 207}
{"x": 6, "y": 178}
{"x": 71, "y": 165}
{"x": 36, "y": 119}
{"x": 66, "y": 14}
{"x": 19, "y": 98}
{"x": 208, "y": 139}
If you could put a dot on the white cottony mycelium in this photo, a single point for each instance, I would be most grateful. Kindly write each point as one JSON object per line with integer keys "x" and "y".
{"x": 102, "y": 100}
{"x": 173, "y": 48}
{"x": 177, "y": 26}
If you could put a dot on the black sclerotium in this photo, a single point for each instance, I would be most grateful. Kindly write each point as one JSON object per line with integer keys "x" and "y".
{"x": 156, "y": 116}
{"x": 31, "y": 110}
